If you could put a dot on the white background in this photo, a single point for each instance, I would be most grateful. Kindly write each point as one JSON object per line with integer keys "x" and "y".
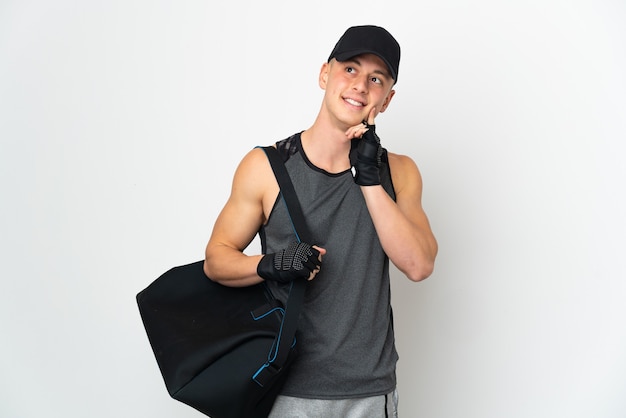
{"x": 121, "y": 123}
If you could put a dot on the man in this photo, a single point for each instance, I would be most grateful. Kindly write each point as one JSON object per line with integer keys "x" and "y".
{"x": 363, "y": 206}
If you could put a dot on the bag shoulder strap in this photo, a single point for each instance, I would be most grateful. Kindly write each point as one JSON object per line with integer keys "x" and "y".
{"x": 295, "y": 300}
{"x": 289, "y": 194}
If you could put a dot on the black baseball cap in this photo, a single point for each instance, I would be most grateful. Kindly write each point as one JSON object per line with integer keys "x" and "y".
{"x": 369, "y": 39}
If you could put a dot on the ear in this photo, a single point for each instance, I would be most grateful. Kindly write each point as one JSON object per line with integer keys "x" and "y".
{"x": 323, "y": 77}
{"x": 387, "y": 101}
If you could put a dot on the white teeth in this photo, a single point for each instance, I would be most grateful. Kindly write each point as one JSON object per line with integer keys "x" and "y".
{"x": 354, "y": 102}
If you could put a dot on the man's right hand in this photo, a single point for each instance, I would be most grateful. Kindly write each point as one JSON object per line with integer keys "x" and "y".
{"x": 297, "y": 261}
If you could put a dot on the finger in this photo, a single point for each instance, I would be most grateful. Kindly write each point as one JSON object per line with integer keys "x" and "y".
{"x": 358, "y": 133}
{"x": 371, "y": 116}
{"x": 314, "y": 252}
{"x": 352, "y": 133}
{"x": 356, "y": 128}
{"x": 311, "y": 265}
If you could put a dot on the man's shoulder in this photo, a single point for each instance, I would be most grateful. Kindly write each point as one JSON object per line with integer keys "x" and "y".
{"x": 400, "y": 161}
{"x": 257, "y": 156}
{"x": 404, "y": 172}
{"x": 288, "y": 146}
{"x": 253, "y": 167}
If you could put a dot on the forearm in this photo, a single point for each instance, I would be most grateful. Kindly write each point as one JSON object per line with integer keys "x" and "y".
{"x": 411, "y": 247}
{"x": 231, "y": 267}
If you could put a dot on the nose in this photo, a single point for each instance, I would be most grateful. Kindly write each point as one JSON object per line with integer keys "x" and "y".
{"x": 360, "y": 84}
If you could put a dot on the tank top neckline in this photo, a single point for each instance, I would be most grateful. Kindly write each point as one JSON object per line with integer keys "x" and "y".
{"x": 300, "y": 148}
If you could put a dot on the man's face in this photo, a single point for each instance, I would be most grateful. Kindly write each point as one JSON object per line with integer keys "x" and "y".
{"x": 355, "y": 86}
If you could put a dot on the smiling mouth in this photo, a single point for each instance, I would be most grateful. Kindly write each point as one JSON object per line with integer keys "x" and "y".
{"x": 354, "y": 102}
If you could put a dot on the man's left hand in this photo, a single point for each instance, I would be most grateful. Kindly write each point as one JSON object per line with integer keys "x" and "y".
{"x": 365, "y": 155}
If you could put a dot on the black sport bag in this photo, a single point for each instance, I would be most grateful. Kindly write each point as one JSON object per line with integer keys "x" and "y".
{"x": 222, "y": 350}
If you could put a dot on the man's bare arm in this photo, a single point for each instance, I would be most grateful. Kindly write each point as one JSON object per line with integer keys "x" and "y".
{"x": 402, "y": 226}
{"x": 253, "y": 194}
{"x": 238, "y": 223}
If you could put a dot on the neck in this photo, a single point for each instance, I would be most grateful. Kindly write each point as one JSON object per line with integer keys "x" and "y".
{"x": 327, "y": 147}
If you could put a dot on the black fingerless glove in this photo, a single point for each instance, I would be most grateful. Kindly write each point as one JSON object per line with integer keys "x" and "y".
{"x": 297, "y": 261}
{"x": 365, "y": 158}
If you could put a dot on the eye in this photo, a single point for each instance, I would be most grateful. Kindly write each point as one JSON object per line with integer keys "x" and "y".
{"x": 350, "y": 69}
{"x": 376, "y": 80}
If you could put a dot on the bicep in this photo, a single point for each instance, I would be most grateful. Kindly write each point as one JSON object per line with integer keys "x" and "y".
{"x": 237, "y": 223}
{"x": 407, "y": 181}
{"x": 243, "y": 215}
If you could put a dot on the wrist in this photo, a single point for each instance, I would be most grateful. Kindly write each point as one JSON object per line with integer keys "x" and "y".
{"x": 365, "y": 174}
{"x": 367, "y": 158}
{"x": 265, "y": 267}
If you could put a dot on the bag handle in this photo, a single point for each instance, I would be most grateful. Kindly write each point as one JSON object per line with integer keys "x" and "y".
{"x": 296, "y": 293}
